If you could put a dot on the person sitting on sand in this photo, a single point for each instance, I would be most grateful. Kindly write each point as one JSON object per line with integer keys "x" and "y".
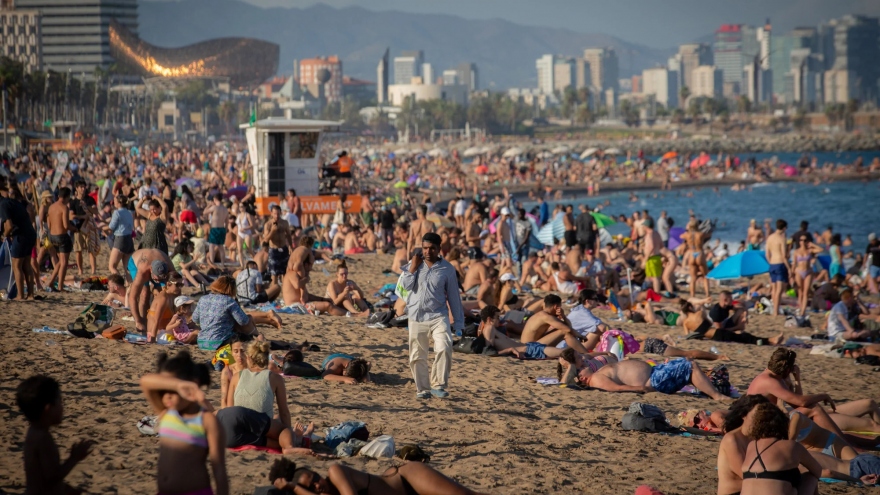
{"x": 179, "y": 324}
{"x": 584, "y": 323}
{"x": 859, "y": 350}
{"x": 238, "y": 363}
{"x": 116, "y": 293}
{"x": 345, "y": 368}
{"x": 485, "y": 293}
{"x": 490, "y": 317}
{"x": 781, "y": 384}
{"x": 188, "y": 434}
{"x": 147, "y": 267}
{"x": 698, "y": 326}
{"x": 249, "y": 416}
{"x": 550, "y": 326}
{"x": 219, "y": 316}
{"x": 725, "y": 316}
{"x": 510, "y": 301}
{"x": 639, "y": 376}
{"x": 343, "y": 291}
{"x": 412, "y": 478}
{"x": 838, "y": 323}
{"x": 249, "y": 286}
{"x": 864, "y": 468}
{"x": 162, "y": 308}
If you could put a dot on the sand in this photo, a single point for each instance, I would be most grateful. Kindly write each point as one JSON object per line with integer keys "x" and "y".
{"x": 498, "y": 432}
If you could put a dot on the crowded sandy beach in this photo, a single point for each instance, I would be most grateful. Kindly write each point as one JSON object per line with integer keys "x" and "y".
{"x": 164, "y": 335}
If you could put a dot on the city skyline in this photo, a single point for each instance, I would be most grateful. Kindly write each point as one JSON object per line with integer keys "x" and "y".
{"x": 660, "y": 24}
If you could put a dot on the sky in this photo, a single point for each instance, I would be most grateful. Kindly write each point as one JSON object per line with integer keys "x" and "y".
{"x": 656, "y": 23}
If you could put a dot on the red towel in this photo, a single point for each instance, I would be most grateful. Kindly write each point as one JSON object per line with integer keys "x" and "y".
{"x": 254, "y": 447}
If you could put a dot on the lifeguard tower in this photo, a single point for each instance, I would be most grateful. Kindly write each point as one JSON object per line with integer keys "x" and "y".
{"x": 286, "y": 154}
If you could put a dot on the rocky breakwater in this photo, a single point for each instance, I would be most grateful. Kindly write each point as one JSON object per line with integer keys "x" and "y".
{"x": 787, "y": 143}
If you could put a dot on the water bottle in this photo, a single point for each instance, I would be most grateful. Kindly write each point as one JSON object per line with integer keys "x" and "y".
{"x": 620, "y": 314}
{"x": 50, "y": 342}
{"x": 714, "y": 350}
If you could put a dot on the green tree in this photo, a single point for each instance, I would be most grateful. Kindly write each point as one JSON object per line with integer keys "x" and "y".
{"x": 743, "y": 104}
{"x": 683, "y": 94}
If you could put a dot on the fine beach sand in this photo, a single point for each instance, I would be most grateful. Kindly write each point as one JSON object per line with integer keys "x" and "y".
{"x": 499, "y": 432}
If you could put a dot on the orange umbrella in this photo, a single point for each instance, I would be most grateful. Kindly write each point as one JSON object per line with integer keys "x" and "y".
{"x": 482, "y": 170}
{"x": 670, "y": 155}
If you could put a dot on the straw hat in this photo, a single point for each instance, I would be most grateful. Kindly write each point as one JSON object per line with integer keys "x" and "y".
{"x": 45, "y": 195}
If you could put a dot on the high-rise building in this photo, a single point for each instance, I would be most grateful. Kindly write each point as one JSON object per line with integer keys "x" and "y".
{"x": 469, "y": 75}
{"x": 780, "y": 57}
{"x": 603, "y": 68}
{"x": 450, "y": 77}
{"x": 20, "y": 37}
{"x": 691, "y": 56}
{"x": 856, "y": 51}
{"x": 636, "y": 84}
{"x": 382, "y": 78}
{"x": 563, "y": 74}
{"x": 544, "y": 66}
{"x": 408, "y": 65}
{"x": 735, "y": 46}
{"x": 840, "y": 85}
{"x": 582, "y": 76}
{"x": 428, "y": 73}
{"x": 310, "y": 69}
{"x": 674, "y": 65}
{"x": 76, "y": 33}
{"x": 805, "y": 81}
{"x": 662, "y": 83}
{"x": 708, "y": 81}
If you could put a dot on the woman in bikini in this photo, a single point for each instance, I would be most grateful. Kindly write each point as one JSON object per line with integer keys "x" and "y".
{"x": 695, "y": 260}
{"x": 771, "y": 461}
{"x": 803, "y": 271}
{"x": 412, "y": 478}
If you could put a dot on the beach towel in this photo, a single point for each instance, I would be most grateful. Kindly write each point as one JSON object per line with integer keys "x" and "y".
{"x": 254, "y": 447}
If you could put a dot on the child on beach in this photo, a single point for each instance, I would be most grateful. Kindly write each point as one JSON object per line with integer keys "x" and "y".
{"x": 188, "y": 433}
{"x": 39, "y": 398}
{"x": 178, "y": 324}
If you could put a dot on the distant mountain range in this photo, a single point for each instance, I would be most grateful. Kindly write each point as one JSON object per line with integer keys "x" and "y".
{"x": 504, "y": 52}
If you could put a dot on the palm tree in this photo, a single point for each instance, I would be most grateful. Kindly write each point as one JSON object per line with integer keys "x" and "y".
{"x": 743, "y": 104}
{"x": 226, "y": 111}
{"x": 683, "y": 94}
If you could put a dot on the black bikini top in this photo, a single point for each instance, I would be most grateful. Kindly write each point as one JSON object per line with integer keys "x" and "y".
{"x": 792, "y": 476}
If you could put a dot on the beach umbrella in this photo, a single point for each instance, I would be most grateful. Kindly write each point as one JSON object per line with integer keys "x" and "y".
{"x": 744, "y": 264}
{"x": 824, "y": 261}
{"x": 440, "y": 221}
{"x": 790, "y": 171}
{"x": 675, "y": 234}
{"x": 402, "y": 152}
{"x": 438, "y": 152}
{"x": 412, "y": 179}
{"x": 669, "y": 155}
{"x": 559, "y": 150}
{"x": 238, "y": 191}
{"x": 551, "y": 230}
{"x": 602, "y": 220}
{"x": 588, "y": 153}
{"x": 401, "y": 184}
{"x": 700, "y": 161}
{"x": 481, "y": 169}
{"x": 487, "y": 149}
{"x": 188, "y": 182}
{"x": 512, "y": 152}
{"x": 546, "y": 154}
{"x": 612, "y": 151}
{"x": 470, "y": 152}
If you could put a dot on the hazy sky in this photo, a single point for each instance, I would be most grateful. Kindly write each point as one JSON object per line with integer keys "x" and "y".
{"x": 658, "y": 23}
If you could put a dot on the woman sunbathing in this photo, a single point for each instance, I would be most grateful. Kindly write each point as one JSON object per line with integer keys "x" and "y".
{"x": 345, "y": 368}
{"x": 412, "y": 478}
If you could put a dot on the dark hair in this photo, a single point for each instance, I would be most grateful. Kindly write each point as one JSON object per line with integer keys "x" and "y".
{"x": 34, "y": 394}
{"x": 64, "y": 193}
{"x": 769, "y": 422}
{"x": 432, "y": 238}
{"x": 739, "y": 409}
{"x": 567, "y": 355}
{"x": 423, "y": 209}
{"x": 79, "y": 183}
{"x": 218, "y": 197}
{"x": 297, "y": 474}
{"x": 590, "y": 295}
{"x": 181, "y": 247}
{"x": 357, "y": 369}
{"x": 805, "y": 225}
{"x": 837, "y": 279}
{"x": 293, "y": 356}
{"x": 782, "y": 362}
{"x": 488, "y": 313}
{"x": 781, "y": 224}
{"x": 686, "y": 306}
{"x": 835, "y": 240}
{"x": 727, "y": 293}
{"x": 282, "y": 468}
{"x": 552, "y": 300}
{"x": 183, "y": 367}
{"x": 116, "y": 279}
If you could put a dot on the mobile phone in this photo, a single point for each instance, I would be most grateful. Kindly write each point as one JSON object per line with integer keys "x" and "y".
{"x": 418, "y": 253}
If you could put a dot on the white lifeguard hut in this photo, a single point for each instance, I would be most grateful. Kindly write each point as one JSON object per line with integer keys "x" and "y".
{"x": 286, "y": 154}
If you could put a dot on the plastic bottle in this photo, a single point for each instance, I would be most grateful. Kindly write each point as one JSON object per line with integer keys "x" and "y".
{"x": 714, "y": 350}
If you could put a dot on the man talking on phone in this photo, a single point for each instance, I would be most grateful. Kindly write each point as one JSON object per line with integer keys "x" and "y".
{"x": 432, "y": 284}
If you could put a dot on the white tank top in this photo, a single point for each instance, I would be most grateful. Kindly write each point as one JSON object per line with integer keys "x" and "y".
{"x": 564, "y": 286}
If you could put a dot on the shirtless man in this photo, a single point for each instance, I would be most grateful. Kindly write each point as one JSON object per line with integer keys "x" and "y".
{"x": 277, "y": 233}
{"x": 570, "y": 228}
{"x": 669, "y": 266}
{"x": 653, "y": 259}
{"x": 754, "y": 236}
{"x": 59, "y": 236}
{"x": 485, "y": 294}
{"x": 146, "y": 266}
{"x": 489, "y": 322}
{"x": 294, "y": 209}
{"x": 533, "y": 275}
{"x": 351, "y": 243}
{"x": 574, "y": 259}
{"x": 550, "y": 326}
{"x": 298, "y": 268}
{"x": 777, "y": 257}
{"x": 162, "y": 307}
{"x": 780, "y": 383}
{"x": 418, "y": 228}
{"x": 115, "y": 291}
{"x": 369, "y": 239}
{"x": 638, "y": 376}
{"x": 344, "y": 292}
{"x": 476, "y": 273}
{"x": 473, "y": 229}
{"x": 219, "y": 217}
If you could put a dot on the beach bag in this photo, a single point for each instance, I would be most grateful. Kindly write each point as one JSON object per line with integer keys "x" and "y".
{"x": 798, "y": 322}
{"x": 470, "y": 345}
{"x": 869, "y": 360}
{"x": 720, "y": 378}
{"x": 382, "y": 446}
{"x": 116, "y": 332}
{"x": 647, "y": 418}
{"x": 95, "y": 318}
{"x": 300, "y": 369}
{"x": 344, "y": 432}
{"x": 410, "y": 452}
{"x": 349, "y": 448}
{"x": 399, "y": 291}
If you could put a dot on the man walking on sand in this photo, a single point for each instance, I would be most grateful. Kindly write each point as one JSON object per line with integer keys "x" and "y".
{"x": 432, "y": 284}
{"x": 777, "y": 257}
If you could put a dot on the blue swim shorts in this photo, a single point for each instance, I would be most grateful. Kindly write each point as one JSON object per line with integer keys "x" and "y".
{"x": 669, "y": 378}
{"x": 535, "y": 350}
{"x": 778, "y": 273}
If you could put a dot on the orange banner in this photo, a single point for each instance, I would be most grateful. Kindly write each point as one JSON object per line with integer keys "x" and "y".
{"x": 313, "y": 205}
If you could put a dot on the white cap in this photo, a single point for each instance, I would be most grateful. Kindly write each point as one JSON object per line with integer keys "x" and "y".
{"x": 871, "y": 236}
{"x": 507, "y": 277}
{"x": 505, "y": 211}
{"x": 181, "y": 300}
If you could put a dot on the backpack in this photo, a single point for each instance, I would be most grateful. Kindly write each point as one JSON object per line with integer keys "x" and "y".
{"x": 869, "y": 360}
{"x": 647, "y": 418}
{"x": 720, "y": 378}
{"x": 470, "y": 345}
